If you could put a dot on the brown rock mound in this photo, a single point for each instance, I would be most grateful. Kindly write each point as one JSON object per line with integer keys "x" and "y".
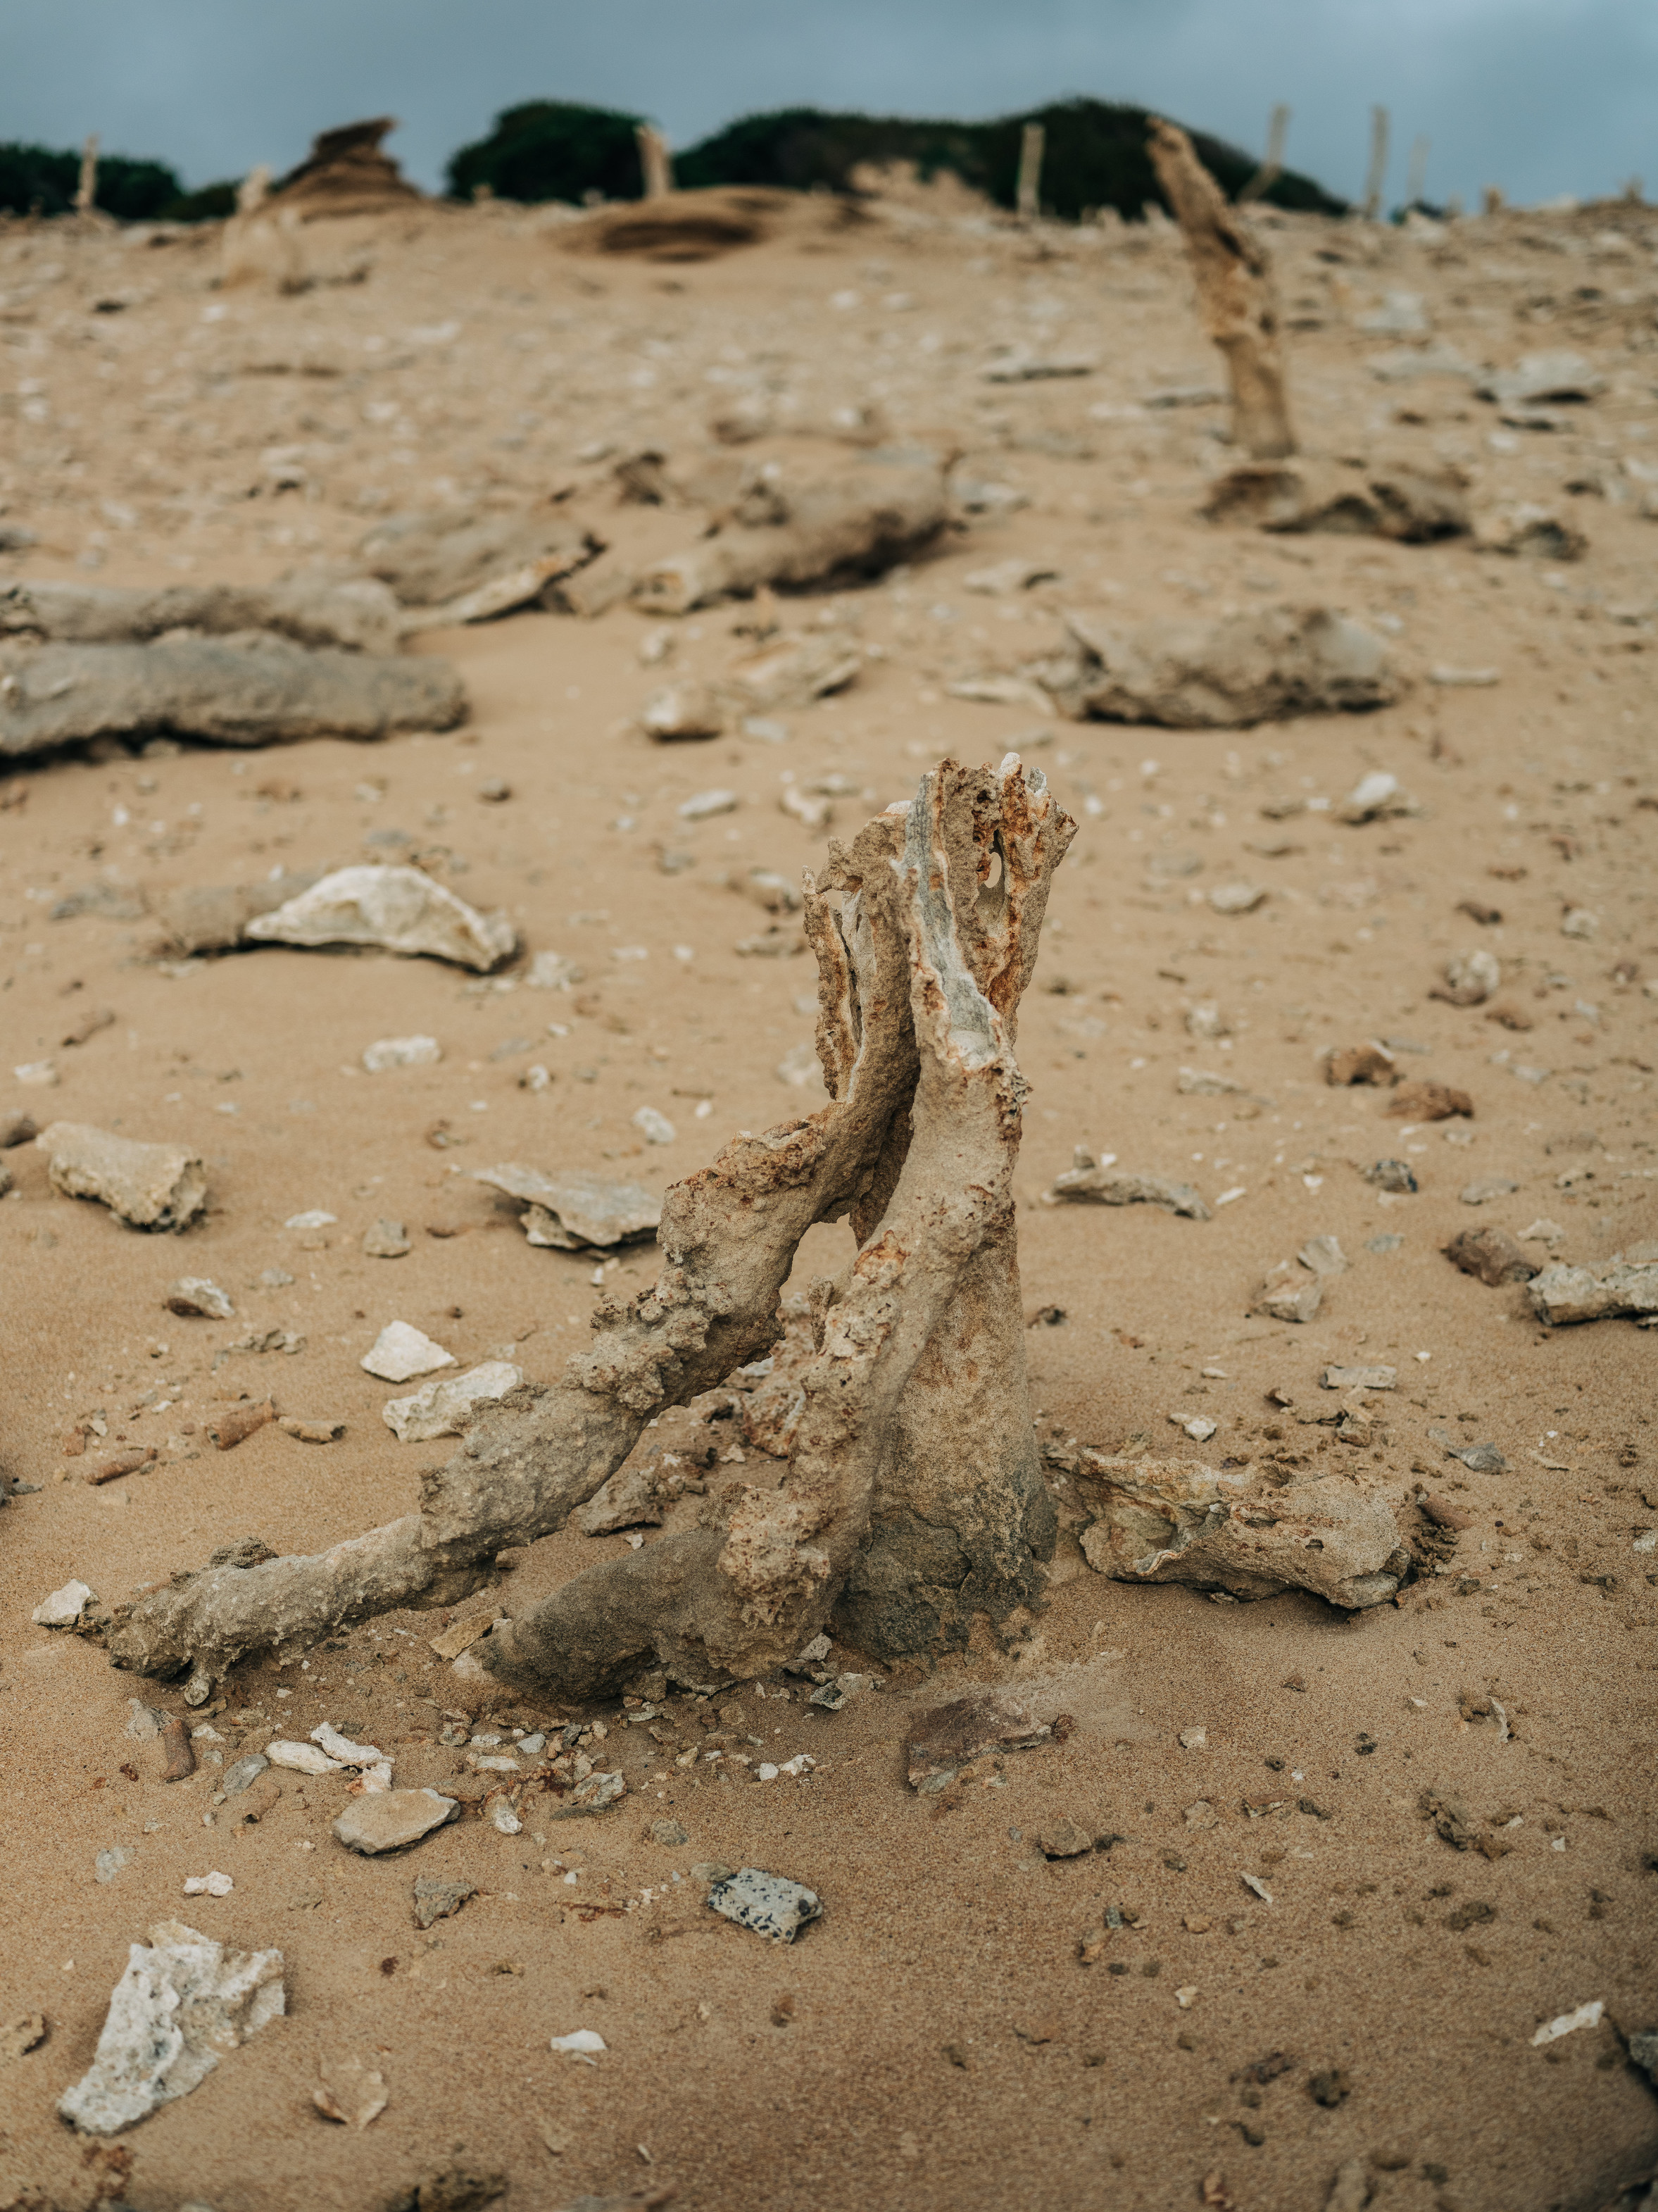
{"x": 346, "y": 173}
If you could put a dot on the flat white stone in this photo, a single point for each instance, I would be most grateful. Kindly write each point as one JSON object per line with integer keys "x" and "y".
{"x": 402, "y": 1052}
{"x": 64, "y": 1606}
{"x": 399, "y": 1353}
{"x": 443, "y": 1409}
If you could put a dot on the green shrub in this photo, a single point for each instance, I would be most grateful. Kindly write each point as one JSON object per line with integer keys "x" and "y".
{"x": 43, "y": 177}
{"x": 211, "y": 203}
{"x": 552, "y": 149}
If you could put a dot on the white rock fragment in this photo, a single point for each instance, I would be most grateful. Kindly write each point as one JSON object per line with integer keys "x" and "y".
{"x": 443, "y": 1409}
{"x": 1374, "y": 797}
{"x": 38, "y": 1074}
{"x": 399, "y": 1352}
{"x": 582, "y": 2043}
{"x": 335, "y": 1746}
{"x": 1237, "y": 898}
{"x": 401, "y": 1052}
{"x": 208, "y": 1885}
{"x": 195, "y": 1295}
{"x": 1198, "y": 1426}
{"x": 64, "y": 1608}
{"x": 394, "y": 909}
{"x": 1567, "y": 2023}
{"x": 146, "y": 1186}
{"x": 302, "y": 1758}
{"x": 703, "y": 804}
{"x": 567, "y": 1212}
{"x": 1563, "y": 1294}
{"x": 314, "y": 1218}
{"x": 655, "y": 1129}
{"x": 1254, "y": 1882}
{"x": 183, "y": 2000}
{"x": 1580, "y": 922}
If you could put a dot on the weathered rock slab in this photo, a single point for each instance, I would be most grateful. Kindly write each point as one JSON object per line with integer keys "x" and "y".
{"x": 1563, "y": 1294}
{"x": 1247, "y": 668}
{"x": 392, "y": 1819}
{"x": 443, "y": 1408}
{"x": 147, "y": 1186}
{"x": 567, "y": 1212}
{"x": 392, "y": 910}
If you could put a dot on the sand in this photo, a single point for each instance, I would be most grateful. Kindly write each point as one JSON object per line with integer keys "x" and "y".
{"x": 935, "y": 2039}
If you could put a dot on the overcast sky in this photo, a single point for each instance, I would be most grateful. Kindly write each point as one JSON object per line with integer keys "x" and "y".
{"x": 1540, "y": 96}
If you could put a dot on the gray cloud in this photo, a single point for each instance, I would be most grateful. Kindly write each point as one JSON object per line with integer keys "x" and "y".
{"x": 1542, "y": 96}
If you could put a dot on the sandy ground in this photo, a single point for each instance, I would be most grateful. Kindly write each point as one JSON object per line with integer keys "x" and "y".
{"x": 935, "y": 2040}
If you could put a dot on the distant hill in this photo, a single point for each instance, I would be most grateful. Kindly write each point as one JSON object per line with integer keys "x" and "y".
{"x": 1094, "y": 156}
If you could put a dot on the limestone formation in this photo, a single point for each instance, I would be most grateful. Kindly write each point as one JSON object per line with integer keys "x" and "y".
{"x": 1243, "y": 669}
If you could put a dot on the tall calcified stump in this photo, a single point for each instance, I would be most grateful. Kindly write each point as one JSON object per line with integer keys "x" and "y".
{"x": 913, "y": 1500}
{"x": 1234, "y": 279}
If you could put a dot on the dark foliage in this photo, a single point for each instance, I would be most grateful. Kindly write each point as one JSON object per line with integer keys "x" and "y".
{"x": 211, "y": 203}
{"x": 1094, "y": 156}
{"x": 552, "y": 149}
{"x": 43, "y": 177}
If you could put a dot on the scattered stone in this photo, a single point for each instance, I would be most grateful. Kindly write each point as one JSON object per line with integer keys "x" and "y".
{"x": 1470, "y": 979}
{"x": 941, "y": 1742}
{"x": 16, "y": 1127}
{"x": 1479, "y": 1459}
{"x": 1578, "y": 921}
{"x": 670, "y": 1834}
{"x": 180, "y": 1752}
{"x": 1544, "y": 378}
{"x": 108, "y": 1864}
{"x": 1492, "y": 1254}
{"x": 1361, "y": 1063}
{"x": 302, "y": 1758}
{"x": 234, "y": 1424}
{"x": 1428, "y": 1101}
{"x": 37, "y": 1074}
{"x": 313, "y": 1217}
{"x": 195, "y": 1294}
{"x": 183, "y": 2000}
{"x": 1323, "y": 1256}
{"x": 161, "y": 1187}
{"x": 1179, "y": 1521}
{"x": 860, "y": 523}
{"x": 457, "y": 561}
{"x": 445, "y": 1408}
{"x": 144, "y": 1722}
{"x": 387, "y": 1240}
{"x": 1359, "y": 1378}
{"x": 359, "y": 612}
{"x": 583, "y": 2042}
{"x": 461, "y": 1635}
{"x": 655, "y": 1129}
{"x": 568, "y": 1212}
{"x": 1249, "y": 668}
{"x": 1198, "y": 1426}
{"x": 628, "y": 1500}
{"x": 391, "y": 1819}
{"x": 1562, "y": 1294}
{"x": 704, "y": 806}
{"x": 392, "y": 910}
{"x": 1377, "y": 797}
{"x": 1064, "y": 1839}
{"x": 684, "y": 711}
{"x": 210, "y": 918}
{"x": 19, "y": 2036}
{"x": 1643, "y": 2049}
{"x": 311, "y": 1432}
{"x": 597, "y": 1794}
{"x": 64, "y": 1606}
{"x": 400, "y": 1352}
{"x": 243, "y": 1774}
{"x": 1089, "y": 1181}
{"x": 208, "y": 1885}
{"x": 769, "y": 1904}
{"x": 1544, "y": 1232}
{"x": 1237, "y": 898}
{"x": 126, "y": 1462}
{"x": 1289, "y": 1295}
{"x": 437, "y": 1900}
{"x": 1535, "y": 532}
{"x": 1489, "y": 1187}
{"x": 791, "y": 670}
{"x": 1567, "y": 2023}
{"x": 1391, "y": 1175}
{"x": 1413, "y": 506}
{"x": 253, "y": 689}
{"x": 402, "y": 1052}
{"x": 1443, "y": 1514}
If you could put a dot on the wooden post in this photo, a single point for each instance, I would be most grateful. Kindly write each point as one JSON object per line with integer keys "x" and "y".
{"x": 1234, "y": 279}
{"x": 1491, "y": 199}
{"x": 86, "y": 193}
{"x": 656, "y": 163}
{"x": 1026, "y": 198}
{"x": 1373, "y": 182}
{"x": 1273, "y": 167}
{"x": 1416, "y": 179}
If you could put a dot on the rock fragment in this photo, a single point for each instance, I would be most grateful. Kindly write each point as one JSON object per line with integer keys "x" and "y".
{"x": 1540, "y": 378}
{"x": 1470, "y": 979}
{"x": 18, "y": 2037}
{"x": 1359, "y": 1378}
{"x": 684, "y": 711}
{"x": 249, "y": 689}
{"x": 233, "y": 1425}
{"x": 392, "y": 1819}
{"x": 444, "y": 1408}
{"x": 1413, "y": 506}
{"x": 64, "y": 1606}
{"x": 387, "y": 1240}
{"x": 568, "y": 1212}
{"x": 1230, "y": 674}
{"x": 1428, "y": 1101}
{"x": 1100, "y": 1183}
{"x": 1179, "y": 1520}
{"x": 436, "y": 1901}
{"x": 1392, "y": 1176}
{"x": 1523, "y": 528}
{"x": 357, "y": 612}
{"x": 311, "y": 1432}
{"x": 195, "y": 1295}
{"x": 628, "y": 1500}
{"x": 1323, "y": 1256}
{"x": 1492, "y": 1254}
{"x": 211, "y": 917}
{"x": 1361, "y": 1063}
{"x": 1561, "y": 1295}
{"x": 1377, "y": 797}
{"x": 1487, "y": 1188}
{"x": 401, "y": 1052}
{"x": 400, "y": 1352}
{"x": 1290, "y": 1293}
{"x": 769, "y": 1904}
{"x": 161, "y": 1187}
{"x": 391, "y": 909}
{"x": 941, "y": 1742}
{"x": 183, "y": 2000}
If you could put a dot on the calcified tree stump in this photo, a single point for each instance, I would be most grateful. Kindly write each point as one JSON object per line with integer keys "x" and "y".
{"x": 912, "y": 1502}
{"x": 1236, "y": 294}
